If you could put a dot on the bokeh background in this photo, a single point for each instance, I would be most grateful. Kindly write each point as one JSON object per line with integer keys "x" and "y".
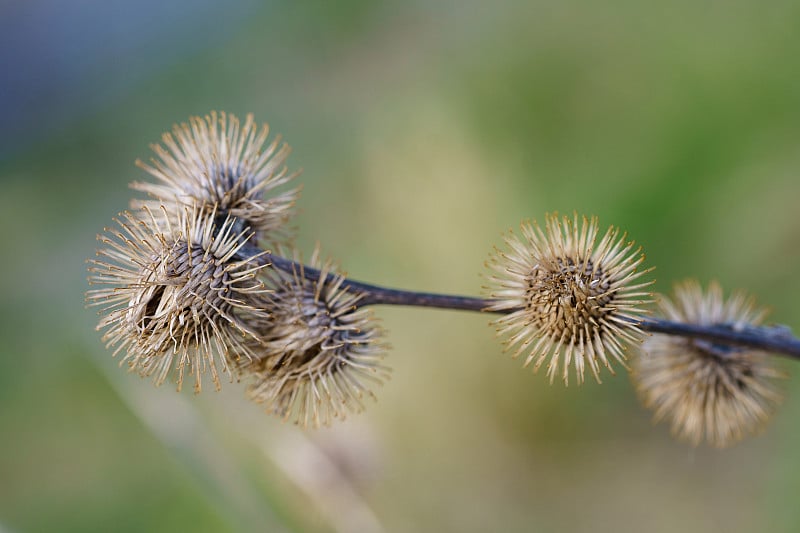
{"x": 425, "y": 130}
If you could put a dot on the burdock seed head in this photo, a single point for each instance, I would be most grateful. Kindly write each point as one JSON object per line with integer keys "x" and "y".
{"x": 320, "y": 354}
{"x": 709, "y": 392}
{"x": 217, "y": 163}
{"x": 174, "y": 297}
{"x": 568, "y": 295}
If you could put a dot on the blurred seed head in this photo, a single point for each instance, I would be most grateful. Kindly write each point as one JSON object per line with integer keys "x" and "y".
{"x": 219, "y": 164}
{"x": 570, "y": 297}
{"x": 173, "y": 297}
{"x": 709, "y": 392}
{"x": 319, "y": 353}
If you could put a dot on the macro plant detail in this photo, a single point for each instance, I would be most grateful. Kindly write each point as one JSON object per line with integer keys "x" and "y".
{"x": 708, "y": 391}
{"x": 320, "y": 353}
{"x": 195, "y": 279}
{"x": 174, "y": 296}
{"x": 564, "y": 290}
{"x": 217, "y": 163}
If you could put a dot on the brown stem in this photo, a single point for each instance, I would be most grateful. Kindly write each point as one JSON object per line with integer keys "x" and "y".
{"x": 774, "y": 339}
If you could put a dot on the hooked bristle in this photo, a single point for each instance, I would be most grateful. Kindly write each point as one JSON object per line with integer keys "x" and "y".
{"x": 217, "y": 162}
{"x": 174, "y": 299}
{"x": 569, "y": 298}
{"x": 320, "y": 353}
{"x": 706, "y": 391}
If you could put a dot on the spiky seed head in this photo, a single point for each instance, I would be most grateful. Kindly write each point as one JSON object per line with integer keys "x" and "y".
{"x": 568, "y": 296}
{"x": 218, "y": 163}
{"x": 174, "y": 297}
{"x": 706, "y": 391}
{"x": 320, "y": 354}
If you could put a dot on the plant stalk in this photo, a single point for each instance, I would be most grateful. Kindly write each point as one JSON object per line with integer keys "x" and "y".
{"x": 774, "y": 339}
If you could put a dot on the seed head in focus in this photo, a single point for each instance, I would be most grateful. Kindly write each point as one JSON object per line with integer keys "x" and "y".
{"x": 320, "y": 354}
{"x": 570, "y": 297}
{"x": 709, "y": 392}
{"x": 174, "y": 297}
{"x": 218, "y": 163}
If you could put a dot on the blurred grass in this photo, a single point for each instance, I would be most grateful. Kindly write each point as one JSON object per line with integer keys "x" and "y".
{"x": 426, "y": 130}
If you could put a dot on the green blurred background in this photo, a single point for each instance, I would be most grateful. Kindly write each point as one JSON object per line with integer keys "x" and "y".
{"x": 425, "y": 130}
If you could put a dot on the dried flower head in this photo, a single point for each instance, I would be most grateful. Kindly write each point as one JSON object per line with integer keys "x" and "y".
{"x": 567, "y": 293}
{"x": 707, "y": 391}
{"x": 217, "y": 163}
{"x": 174, "y": 296}
{"x": 320, "y": 353}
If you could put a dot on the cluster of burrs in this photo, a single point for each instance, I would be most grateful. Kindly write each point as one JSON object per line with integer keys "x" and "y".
{"x": 201, "y": 277}
{"x": 183, "y": 290}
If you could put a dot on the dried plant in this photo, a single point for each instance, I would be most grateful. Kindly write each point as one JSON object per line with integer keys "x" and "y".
{"x": 708, "y": 391}
{"x": 188, "y": 287}
{"x": 176, "y": 297}
{"x": 217, "y": 164}
{"x": 563, "y": 290}
{"x": 319, "y": 352}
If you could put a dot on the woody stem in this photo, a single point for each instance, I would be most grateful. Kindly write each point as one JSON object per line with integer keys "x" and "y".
{"x": 773, "y": 339}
